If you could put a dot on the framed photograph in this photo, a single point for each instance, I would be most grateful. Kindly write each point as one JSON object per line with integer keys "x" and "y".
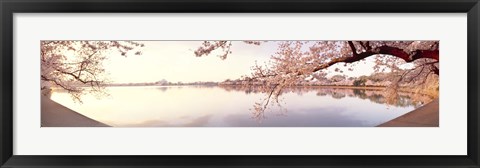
{"x": 262, "y": 83}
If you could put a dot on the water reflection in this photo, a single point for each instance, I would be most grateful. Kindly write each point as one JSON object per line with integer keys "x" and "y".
{"x": 376, "y": 95}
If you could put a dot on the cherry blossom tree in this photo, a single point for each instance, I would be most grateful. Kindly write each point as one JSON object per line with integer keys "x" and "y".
{"x": 76, "y": 66}
{"x": 298, "y": 61}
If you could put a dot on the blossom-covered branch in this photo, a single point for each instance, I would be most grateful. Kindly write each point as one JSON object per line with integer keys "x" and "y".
{"x": 76, "y": 66}
{"x": 296, "y": 61}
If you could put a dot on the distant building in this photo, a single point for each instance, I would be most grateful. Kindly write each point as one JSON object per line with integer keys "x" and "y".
{"x": 162, "y": 82}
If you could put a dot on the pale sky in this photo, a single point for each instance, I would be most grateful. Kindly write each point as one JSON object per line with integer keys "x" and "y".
{"x": 175, "y": 61}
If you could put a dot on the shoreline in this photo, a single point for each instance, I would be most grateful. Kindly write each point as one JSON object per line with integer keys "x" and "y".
{"x": 347, "y": 87}
{"x": 326, "y": 86}
{"x": 296, "y": 86}
{"x": 54, "y": 114}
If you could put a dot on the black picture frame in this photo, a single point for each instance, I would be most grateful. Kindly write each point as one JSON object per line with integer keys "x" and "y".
{"x": 9, "y": 7}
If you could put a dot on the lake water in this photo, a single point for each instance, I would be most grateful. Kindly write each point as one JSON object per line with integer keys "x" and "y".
{"x": 214, "y": 106}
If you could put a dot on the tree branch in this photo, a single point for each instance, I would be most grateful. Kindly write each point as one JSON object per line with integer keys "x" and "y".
{"x": 352, "y": 47}
{"x": 386, "y": 50}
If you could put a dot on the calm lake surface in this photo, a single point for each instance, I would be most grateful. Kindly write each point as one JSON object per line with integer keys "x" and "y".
{"x": 215, "y": 106}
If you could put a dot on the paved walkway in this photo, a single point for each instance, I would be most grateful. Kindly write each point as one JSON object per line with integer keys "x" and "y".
{"x": 425, "y": 116}
{"x": 57, "y": 115}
